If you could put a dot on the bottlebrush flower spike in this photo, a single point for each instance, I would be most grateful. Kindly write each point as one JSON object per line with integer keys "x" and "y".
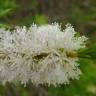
{"x": 43, "y": 54}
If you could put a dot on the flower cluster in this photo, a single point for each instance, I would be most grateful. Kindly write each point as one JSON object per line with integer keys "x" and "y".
{"x": 42, "y": 54}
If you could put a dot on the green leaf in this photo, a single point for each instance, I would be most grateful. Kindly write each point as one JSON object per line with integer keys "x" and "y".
{"x": 6, "y": 6}
{"x": 89, "y": 53}
{"x": 40, "y": 19}
{"x": 4, "y": 12}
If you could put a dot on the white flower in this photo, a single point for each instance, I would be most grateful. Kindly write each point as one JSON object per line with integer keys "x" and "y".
{"x": 40, "y": 54}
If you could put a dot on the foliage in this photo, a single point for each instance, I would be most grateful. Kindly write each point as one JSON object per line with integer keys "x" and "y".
{"x": 6, "y": 6}
{"x": 88, "y": 52}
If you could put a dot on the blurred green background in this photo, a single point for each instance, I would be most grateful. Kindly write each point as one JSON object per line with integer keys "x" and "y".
{"x": 81, "y": 14}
